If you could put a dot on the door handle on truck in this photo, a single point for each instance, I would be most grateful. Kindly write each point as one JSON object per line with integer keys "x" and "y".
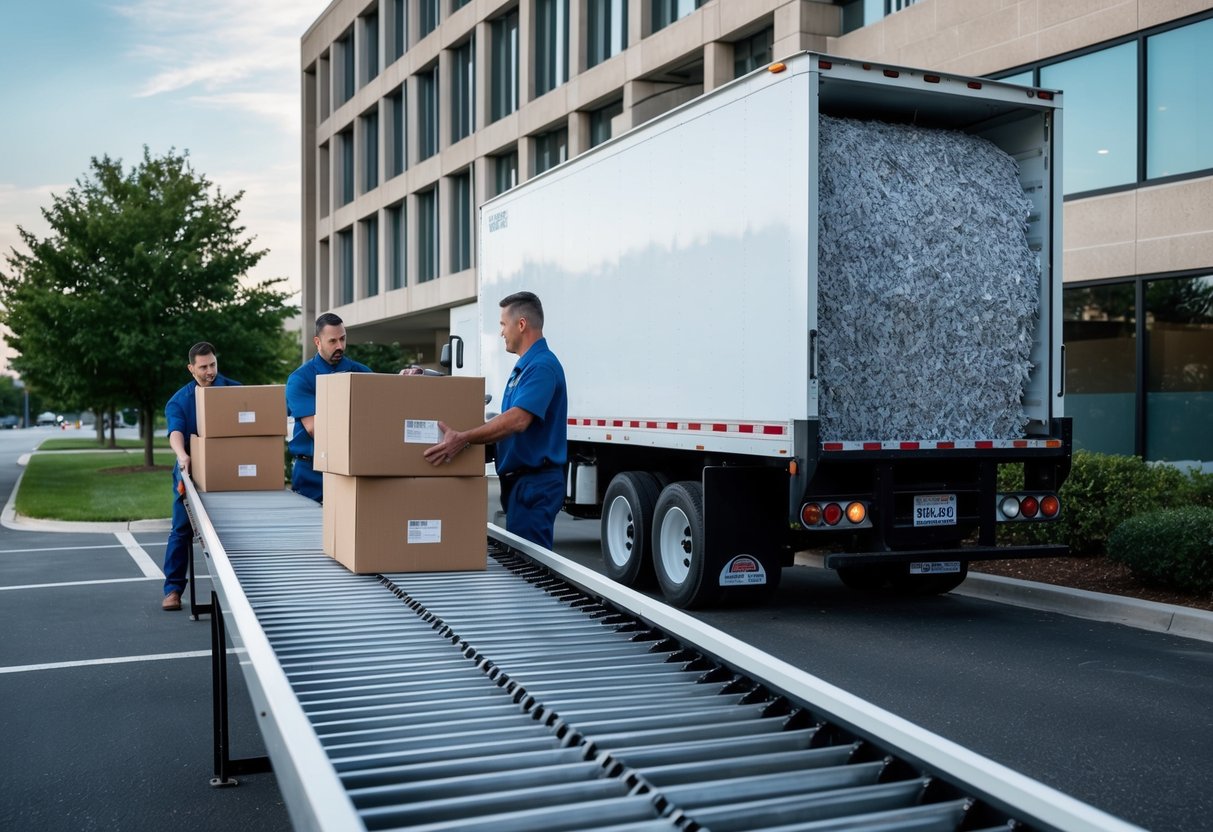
{"x": 1061, "y": 388}
{"x": 812, "y": 354}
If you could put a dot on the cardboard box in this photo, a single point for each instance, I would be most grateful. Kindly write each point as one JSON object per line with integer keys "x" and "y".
{"x": 406, "y": 524}
{"x": 376, "y": 425}
{"x": 237, "y": 463}
{"x": 241, "y": 410}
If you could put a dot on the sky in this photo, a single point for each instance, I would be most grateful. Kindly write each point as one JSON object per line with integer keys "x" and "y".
{"x": 218, "y": 79}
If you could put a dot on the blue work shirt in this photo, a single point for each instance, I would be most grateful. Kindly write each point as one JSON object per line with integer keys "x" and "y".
{"x": 537, "y": 386}
{"x": 181, "y": 413}
{"x": 301, "y": 397}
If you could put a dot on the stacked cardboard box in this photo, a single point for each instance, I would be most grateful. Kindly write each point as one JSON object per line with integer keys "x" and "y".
{"x": 241, "y": 437}
{"x": 385, "y": 508}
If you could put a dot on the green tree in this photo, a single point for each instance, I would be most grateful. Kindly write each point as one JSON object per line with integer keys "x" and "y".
{"x": 382, "y": 358}
{"x": 138, "y": 266}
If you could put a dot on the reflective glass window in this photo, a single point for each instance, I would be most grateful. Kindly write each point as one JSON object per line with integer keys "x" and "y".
{"x": 600, "y": 122}
{"x": 1179, "y": 384}
{"x": 1100, "y": 117}
{"x": 606, "y": 29}
{"x": 463, "y": 96}
{"x": 427, "y": 113}
{"x": 753, "y": 52}
{"x": 427, "y": 235}
{"x": 551, "y": 149}
{"x": 505, "y": 172}
{"x": 503, "y": 77}
{"x": 370, "y": 259}
{"x": 1179, "y": 100}
{"x": 1101, "y": 367}
{"x": 345, "y": 266}
{"x": 461, "y": 221}
{"x": 551, "y": 44}
{"x": 396, "y": 246}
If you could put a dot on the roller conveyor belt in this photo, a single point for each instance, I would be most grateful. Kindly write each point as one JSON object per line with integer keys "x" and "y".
{"x": 538, "y": 696}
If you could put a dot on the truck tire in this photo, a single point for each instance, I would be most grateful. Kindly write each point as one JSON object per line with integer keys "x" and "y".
{"x": 678, "y": 546}
{"x": 627, "y": 520}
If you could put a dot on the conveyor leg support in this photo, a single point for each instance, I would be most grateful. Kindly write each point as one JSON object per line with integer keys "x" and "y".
{"x": 196, "y": 609}
{"x": 225, "y": 766}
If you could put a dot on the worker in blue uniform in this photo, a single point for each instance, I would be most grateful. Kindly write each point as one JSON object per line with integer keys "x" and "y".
{"x": 531, "y": 430}
{"x": 330, "y": 357}
{"x": 182, "y": 418}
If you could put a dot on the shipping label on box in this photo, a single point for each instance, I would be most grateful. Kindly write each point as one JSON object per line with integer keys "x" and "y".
{"x": 406, "y": 524}
{"x": 241, "y": 410}
{"x": 237, "y": 463}
{"x": 373, "y": 424}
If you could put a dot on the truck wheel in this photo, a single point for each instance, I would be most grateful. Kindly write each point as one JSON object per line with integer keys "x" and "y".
{"x": 678, "y": 546}
{"x": 903, "y": 583}
{"x": 627, "y": 518}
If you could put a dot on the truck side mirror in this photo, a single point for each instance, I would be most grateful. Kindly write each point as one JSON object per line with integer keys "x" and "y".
{"x": 453, "y": 348}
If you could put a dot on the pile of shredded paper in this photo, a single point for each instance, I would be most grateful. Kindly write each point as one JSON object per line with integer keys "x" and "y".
{"x": 928, "y": 290}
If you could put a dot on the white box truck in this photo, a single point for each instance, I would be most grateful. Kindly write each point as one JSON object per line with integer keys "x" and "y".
{"x": 804, "y": 311}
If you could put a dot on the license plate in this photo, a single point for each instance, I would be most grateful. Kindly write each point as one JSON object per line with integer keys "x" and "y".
{"x": 935, "y": 510}
{"x": 935, "y": 567}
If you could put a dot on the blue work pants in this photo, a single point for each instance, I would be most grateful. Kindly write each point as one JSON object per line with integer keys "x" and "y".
{"x": 531, "y": 502}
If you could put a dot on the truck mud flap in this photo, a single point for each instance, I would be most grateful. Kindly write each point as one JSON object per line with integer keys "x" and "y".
{"x": 744, "y": 519}
{"x": 839, "y": 560}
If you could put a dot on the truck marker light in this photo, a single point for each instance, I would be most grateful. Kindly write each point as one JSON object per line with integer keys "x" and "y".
{"x": 1029, "y": 506}
{"x": 857, "y": 512}
{"x": 832, "y": 514}
{"x": 931, "y": 79}
{"x": 793, "y": 468}
{"x": 892, "y": 73}
{"x": 780, "y": 66}
{"x": 810, "y": 514}
{"x": 825, "y": 65}
{"x": 1045, "y": 94}
{"x": 1050, "y": 506}
{"x": 974, "y": 85}
{"x": 1052, "y": 443}
{"x": 1009, "y": 507}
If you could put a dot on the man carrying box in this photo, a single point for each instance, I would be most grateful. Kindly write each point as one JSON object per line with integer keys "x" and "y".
{"x": 531, "y": 430}
{"x": 181, "y": 415}
{"x": 301, "y": 401}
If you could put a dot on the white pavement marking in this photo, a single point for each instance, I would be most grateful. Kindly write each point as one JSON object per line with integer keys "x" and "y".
{"x": 81, "y": 583}
{"x": 60, "y": 549}
{"x": 25, "y": 668}
{"x": 142, "y": 558}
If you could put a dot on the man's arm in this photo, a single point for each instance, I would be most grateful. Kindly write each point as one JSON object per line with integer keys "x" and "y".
{"x": 309, "y": 423}
{"x": 514, "y": 420}
{"x": 176, "y": 441}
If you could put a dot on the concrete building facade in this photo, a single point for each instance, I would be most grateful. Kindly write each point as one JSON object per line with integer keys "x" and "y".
{"x": 417, "y": 111}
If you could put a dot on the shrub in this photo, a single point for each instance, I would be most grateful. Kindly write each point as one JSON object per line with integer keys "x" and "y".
{"x": 1171, "y": 547}
{"x": 1101, "y": 491}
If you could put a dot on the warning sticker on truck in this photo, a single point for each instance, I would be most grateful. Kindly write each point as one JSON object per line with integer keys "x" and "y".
{"x": 934, "y": 567}
{"x": 743, "y": 570}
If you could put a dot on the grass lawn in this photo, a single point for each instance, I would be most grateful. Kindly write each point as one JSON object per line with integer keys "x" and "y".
{"x": 97, "y": 487}
{"x": 82, "y": 443}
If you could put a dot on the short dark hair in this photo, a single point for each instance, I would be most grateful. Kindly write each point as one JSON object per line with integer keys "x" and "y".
{"x": 525, "y": 305}
{"x": 327, "y": 319}
{"x": 201, "y": 348}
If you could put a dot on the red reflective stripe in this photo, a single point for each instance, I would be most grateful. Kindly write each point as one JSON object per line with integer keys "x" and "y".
{"x": 602, "y": 423}
{"x": 909, "y": 446}
{"x": 572, "y": 421}
{"x": 671, "y": 426}
{"x": 650, "y": 424}
{"x": 745, "y": 428}
{"x": 634, "y": 424}
{"x": 694, "y": 426}
{"x": 833, "y": 446}
{"x": 945, "y": 446}
{"x": 772, "y": 430}
{"x": 1020, "y": 443}
{"x": 983, "y": 443}
{"x": 871, "y": 446}
{"x": 719, "y": 427}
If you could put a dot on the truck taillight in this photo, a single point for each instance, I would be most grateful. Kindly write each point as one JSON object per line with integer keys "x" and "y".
{"x": 810, "y": 514}
{"x": 1050, "y": 506}
{"x": 857, "y": 512}
{"x": 832, "y": 514}
{"x": 828, "y": 515}
{"x": 1027, "y": 507}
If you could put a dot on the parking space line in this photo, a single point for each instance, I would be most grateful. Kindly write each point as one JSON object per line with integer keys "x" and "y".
{"x": 25, "y": 668}
{"x": 141, "y": 557}
{"x": 60, "y": 549}
{"x": 86, "y": 583}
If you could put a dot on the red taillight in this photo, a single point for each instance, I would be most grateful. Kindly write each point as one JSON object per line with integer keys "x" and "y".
{"x": 832, "y": 514}
{"x": 810, "y": 514}
{"x": 1028, "y": 506}
{"x": 1050, "y": 506}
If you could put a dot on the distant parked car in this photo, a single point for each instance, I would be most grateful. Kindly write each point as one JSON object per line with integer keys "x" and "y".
{"x": 47, "y": 418}
{"x": 9, "y": 422}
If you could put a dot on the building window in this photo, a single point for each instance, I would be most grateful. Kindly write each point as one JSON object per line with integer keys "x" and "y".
{"x": 344, "y": 47}
{"x": 1099, "y": 331}
{"x": 600, "y": 122}
{"x": 459, "y": 4}
{"x": 370, "y": 151}
{"x": 1101, "y": 119}
{"x": 345, "y": 267}
{"x": 370, "y": 259}
{"x": 427, "y": 112}
{"x": 606, "y": 30}
{"x": 324, "y": 82}
{"x": 462, "y": 220}
{"x": 505, "y": 172}
{"x": 1179, "y": 376}
{"x": 463, "y": 94}
{"x": 370, "y": 47}
{"x": 1179, "y": 101}
{"x": 397, "y": 28}
{"x": 753, "y": 52}
{"x": 345, "y": 142}
{"x": 427, "y": 235}
{"x": 551, "y": 149}
{"x": 666, "y": 12}
{"x": 396, "y": 246}
{"x": 551, "y": 44}
{"x": 323, "y": 175}
{"x": 395, "y": 136}
{"x": 427, "y": 11}
{"x": 504, "y": 71}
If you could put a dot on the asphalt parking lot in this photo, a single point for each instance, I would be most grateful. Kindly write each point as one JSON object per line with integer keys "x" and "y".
{"x": 105, "y": 700}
